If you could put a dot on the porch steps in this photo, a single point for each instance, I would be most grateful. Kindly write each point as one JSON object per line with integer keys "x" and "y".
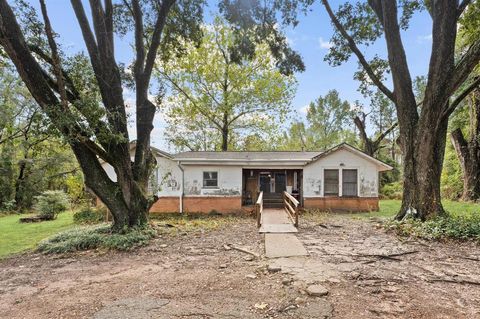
{"x": 272, "y": 200}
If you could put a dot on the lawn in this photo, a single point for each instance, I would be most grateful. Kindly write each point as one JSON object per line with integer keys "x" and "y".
{"x": 389, "y": 207}
{"x": 16, "y": 237}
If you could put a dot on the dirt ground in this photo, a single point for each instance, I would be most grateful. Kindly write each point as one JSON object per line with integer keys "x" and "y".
{"x": 368, "y": 274}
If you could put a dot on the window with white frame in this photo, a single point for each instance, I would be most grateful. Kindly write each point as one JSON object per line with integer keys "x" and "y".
{"x": 349, "y": 182}
{"x": 210, "y": 179}
{"x": 330, "y": 182}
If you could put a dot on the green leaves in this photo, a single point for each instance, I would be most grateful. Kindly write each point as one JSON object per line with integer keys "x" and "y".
{"x": 212, "y": 94}
{"x": 329, "y": 119}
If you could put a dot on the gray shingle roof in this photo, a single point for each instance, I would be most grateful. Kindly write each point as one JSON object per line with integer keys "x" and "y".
{"x": 276, "y": 155}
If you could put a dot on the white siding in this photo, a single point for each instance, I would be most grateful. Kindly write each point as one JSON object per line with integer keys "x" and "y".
{"x": 166, "y": 179}
{"x": 229, "y": 180}
{"x": 367, "y": 174}
{"x": 169, "y": 178}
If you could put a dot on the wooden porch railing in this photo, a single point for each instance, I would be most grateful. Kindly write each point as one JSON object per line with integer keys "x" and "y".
{"x": 259, "y": 208}
{"x": 291, "y": 207}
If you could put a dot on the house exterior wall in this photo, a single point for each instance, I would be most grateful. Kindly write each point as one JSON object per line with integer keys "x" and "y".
{"x": 229, "y": 180}
{"x": 234, "y": 179}
{"x": 168, "y": 178}
{"x": 367, "y": 183}
{"x": 225, "y": 198}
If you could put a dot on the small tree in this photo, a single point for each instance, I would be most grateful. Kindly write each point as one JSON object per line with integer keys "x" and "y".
{"x": 51, "y": 203}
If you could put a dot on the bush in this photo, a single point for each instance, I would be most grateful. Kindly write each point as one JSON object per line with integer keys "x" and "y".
{"x": 392, "y": 191}
{"x": 8, "y": 207}
{"x": 449, "y": 227}
{"x": 89, "y": 216}
{"x": 94, "y": 237}
{"x": 51, "y": 203}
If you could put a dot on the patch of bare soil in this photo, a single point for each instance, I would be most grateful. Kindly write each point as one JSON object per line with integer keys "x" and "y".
{"x": 368, "y": 274}
{"x": 373, "y": 274}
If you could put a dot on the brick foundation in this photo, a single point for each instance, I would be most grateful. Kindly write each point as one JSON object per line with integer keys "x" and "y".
{"x": 194, "y": 204}
{"x": 350, "y": 204}
{"x": 166, "y": 205}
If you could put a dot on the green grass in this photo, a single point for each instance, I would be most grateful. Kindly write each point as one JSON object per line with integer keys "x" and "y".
{"x": 390, "y": 207}
{"x": 17, "y": 237}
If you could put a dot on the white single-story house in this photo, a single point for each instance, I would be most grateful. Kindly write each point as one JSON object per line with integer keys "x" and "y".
{"x": 341, "y": 178}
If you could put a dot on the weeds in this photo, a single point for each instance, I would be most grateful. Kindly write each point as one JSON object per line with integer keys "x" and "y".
{"x": 452, "y": 226}
{"x": 96, "y": 237}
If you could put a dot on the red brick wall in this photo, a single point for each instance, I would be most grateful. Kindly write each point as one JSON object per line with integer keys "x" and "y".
{"x": 227, "y": 204}
{"x": 354, "y": 204}
{"x": 166, "y": 205}
{"x": 194, "y": 204}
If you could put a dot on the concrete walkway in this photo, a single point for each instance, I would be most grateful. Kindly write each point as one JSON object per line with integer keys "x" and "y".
{"x": 276, "y": 220}
{"x": 280, "y": 240}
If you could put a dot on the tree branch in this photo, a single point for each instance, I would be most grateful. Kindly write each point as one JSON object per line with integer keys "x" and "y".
{"x": 57, "y": 68}
{"x": 462, "y": 6}
{"x": 353, "y": 46}
{"x": 451, "y": 108}
{"x": 384, "y": 134}
{"x": 156, "y": 37}
{"x": 464, "y": 67}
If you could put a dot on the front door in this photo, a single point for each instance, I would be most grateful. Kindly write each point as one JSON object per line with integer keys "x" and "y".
{"x": 280, "y": 182}
{"x": 265, "y": 183}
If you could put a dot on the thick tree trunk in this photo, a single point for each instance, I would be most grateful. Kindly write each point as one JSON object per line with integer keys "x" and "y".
{"x": 423, "y": 155}
{"x": 468, "y": 152}
{"x": 126, "y": 198}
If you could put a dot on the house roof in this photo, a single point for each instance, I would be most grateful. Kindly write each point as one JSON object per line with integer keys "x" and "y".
{"x": 247, "y": 156}
{"x": 275, "y": 158}
{"x": 288, "y": 158}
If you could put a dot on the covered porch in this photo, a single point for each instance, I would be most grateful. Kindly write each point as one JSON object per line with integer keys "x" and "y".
{"x": 272, "y": 182}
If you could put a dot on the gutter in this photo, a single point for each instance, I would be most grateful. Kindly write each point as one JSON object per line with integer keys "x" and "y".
{"x": 180, "y": 199}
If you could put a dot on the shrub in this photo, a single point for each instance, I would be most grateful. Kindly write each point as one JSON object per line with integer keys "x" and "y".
{"x": 8, "y": 207}
{"x": 94, "y": 237}
{"x": 392, "y": 191}
{"x": 89, "y": 216}
{"x": 449, "y": 227}
{"x": 51, "y": 203}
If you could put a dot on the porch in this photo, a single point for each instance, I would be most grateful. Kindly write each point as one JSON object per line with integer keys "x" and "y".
{"x": 272, "y": 182}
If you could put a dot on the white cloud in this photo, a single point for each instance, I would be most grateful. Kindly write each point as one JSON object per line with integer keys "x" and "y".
{"x": 424, "y": 38}
{"x": 324, "y": 44}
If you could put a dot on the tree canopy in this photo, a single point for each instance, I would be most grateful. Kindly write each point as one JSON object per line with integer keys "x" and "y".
{"x": 217, "y": 101}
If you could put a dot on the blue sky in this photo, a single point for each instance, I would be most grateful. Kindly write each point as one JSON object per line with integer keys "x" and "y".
{"x": 310, "y": 38}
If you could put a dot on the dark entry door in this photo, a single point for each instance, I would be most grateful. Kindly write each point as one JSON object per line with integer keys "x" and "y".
{"x": 280, "y": 182}
{"x": 265, "y": 183}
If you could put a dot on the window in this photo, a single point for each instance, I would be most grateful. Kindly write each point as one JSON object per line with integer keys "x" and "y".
{"x": 210, "y": 179}
{"x": 331, "y": 182}
{"x": 349, "y": 180}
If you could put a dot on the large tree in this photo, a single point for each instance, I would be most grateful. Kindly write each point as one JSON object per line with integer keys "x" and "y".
{"x": 422, "y": 130}
{"x": 216, "y": 97}
{"x": 467, "y": 146}
{"x": 98, "y": 131}
{"x": 328, "y": 123}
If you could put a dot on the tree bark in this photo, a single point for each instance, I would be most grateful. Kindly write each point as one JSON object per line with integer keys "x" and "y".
{"x": 225, "y": 132}
{"x": 370, "y": 146}
{"x": 468, "y": 151}
{"x": 126, "y": 198}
